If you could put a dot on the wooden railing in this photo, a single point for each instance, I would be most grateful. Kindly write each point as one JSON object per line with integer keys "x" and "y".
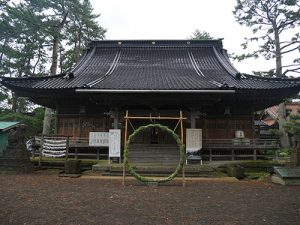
{"x": 235, "y": 149}
{"x": 241, "y": 143}
{"x": 212, "y": 149}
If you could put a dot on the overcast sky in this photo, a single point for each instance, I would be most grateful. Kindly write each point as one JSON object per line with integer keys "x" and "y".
{"x": 176, "y": 19}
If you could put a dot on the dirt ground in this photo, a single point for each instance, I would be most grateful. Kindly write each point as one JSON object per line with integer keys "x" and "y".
{"x": 47, "y": 199}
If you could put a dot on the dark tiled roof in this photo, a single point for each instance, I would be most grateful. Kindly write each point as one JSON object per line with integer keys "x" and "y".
{"x": 154, "y": 65}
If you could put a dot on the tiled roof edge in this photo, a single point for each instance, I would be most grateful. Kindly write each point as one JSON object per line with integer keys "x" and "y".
{"x": 156, "y": 43}
{"x": 271, "y": 78}
{"x": 31, "y": 78}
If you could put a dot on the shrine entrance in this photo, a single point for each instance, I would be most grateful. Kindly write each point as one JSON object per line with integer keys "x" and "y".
{"x": 154, "y": 144}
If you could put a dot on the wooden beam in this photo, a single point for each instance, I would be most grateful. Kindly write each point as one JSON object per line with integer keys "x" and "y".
{"x": 125, "y": 143}
{"x": 155, "y": 117}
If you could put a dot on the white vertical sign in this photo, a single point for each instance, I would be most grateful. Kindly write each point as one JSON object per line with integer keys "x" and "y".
{"x": 193, "y": 140}
{"x": 114, "y": 143}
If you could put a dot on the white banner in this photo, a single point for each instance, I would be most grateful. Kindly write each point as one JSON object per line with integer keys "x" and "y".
{"x": 193, "y": 140}
{"x": 115, "y": 143}
{"x": 100, "y": 139}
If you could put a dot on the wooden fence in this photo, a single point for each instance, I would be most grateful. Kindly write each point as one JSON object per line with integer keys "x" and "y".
{"x": 213, "y": 149}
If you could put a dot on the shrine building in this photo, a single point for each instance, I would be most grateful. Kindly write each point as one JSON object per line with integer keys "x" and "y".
{"x": 156, "y": 78}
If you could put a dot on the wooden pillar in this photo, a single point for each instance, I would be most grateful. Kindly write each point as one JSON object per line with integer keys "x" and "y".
{"x": 125, "y": 143}
{"x": 254, "y": 154}
{"x": 41, "y": 151}
{"x": 76, "y": 153}
{"x": 182, "y": 142}
{"x": 98, "y": 154}
{"x": 253, "y": 122}
{"x": 56, "y": 121}
{"x": 67, "y": 148}
{"x": 193, "y": 119}
{"x": 116, "y": 118}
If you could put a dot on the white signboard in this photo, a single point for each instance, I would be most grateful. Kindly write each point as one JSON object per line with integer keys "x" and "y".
{"x": 114, "y": 143}
{"x": 100, "y": 139}
{"x": 193, "y": 140}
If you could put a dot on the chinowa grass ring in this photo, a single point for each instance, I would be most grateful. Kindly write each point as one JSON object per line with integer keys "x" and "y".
{"x": 147, "y": 179}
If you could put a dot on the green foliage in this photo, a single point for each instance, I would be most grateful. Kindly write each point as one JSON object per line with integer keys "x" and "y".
{"x": 150, "y": 180}
{"x": 28, "y": 29}
{"x": 201, "y": 35}
{"x": 284, "y": 152}
{"x": 275, "y": 26}
{"x": 275, "y": 132}
{"x": 34, "y": 122}
{"x": 293, "y": 124}
{"x": 80, "y": 29}
{"x": 270, "y": 73}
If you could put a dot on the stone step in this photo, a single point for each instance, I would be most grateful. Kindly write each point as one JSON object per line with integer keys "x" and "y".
{"x": 157, "y": 174}
{"x": 156, "y": 170}
{"x": 153, "y": 153}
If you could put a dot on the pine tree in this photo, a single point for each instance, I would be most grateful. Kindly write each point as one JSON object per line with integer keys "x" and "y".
{"x": 31, "y": 30}
{"x": 271, "y": 21}
{"x": 200, "y": 35}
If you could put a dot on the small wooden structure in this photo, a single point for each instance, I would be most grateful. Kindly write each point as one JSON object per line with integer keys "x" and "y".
{"x": 286, "y": 175}
{"x": 5, "y": 127}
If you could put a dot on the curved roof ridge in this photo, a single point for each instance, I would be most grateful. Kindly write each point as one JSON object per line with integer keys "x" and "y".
{"x": 227, "y": 66}
{"x": 194, "y": 64}
{"x": 109, "y": 71}
{"x": 80, "y": 62}
{"x": 84, "y": 64}
{"x": 226, "y": 57}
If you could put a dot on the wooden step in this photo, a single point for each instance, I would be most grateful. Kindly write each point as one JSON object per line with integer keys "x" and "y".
{"x": 153, "y": 153}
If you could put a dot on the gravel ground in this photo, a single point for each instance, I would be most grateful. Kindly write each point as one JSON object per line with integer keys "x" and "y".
{"x": 47, "y": 199}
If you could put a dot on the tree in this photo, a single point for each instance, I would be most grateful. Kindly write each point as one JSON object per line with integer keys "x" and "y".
{"x": 275, "y": 24}
{"x": 31, "y": 30}
{"x": 20, "y": 46}
{"x": 34, "y": 121}
{"x": 80, "y": 30}
{"x": 200, "y": 35}
{"x": 293, "y": 125}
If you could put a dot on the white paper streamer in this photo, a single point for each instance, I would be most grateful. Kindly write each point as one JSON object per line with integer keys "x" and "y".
{"x": 54, "y": 148}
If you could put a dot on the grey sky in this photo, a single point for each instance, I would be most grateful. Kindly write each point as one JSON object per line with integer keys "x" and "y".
{"x": 176, "y": 19}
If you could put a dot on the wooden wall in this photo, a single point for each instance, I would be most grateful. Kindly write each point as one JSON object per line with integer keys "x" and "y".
{"x": 76, "y": 126}
{"x": 224, "y": 128}
{"x": 213, "y": 127}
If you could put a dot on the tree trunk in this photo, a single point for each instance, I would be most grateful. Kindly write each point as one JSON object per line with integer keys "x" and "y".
{"x": 53, "y": 69}
{"x": 284, "y": 139}
{"x": 14, "y": 103}
{"x": 278, "y": 54}
{"x": 77, "y": 47}
{"x": 295, "y": 153}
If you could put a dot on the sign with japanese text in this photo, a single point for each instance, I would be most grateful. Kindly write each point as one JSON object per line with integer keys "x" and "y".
{"x": 100, "y": 139}
{"x": 115, "y": 143}
{"x": 193, "y": 140}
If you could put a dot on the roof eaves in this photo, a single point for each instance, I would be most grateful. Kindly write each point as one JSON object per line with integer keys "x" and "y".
{"x": 296, "y": 80}
{"x": 83, "y": 90}
{"x": 4, "y": 126}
